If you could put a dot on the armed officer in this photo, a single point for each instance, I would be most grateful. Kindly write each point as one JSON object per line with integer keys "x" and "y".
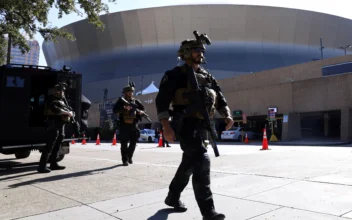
{"x": 189, "y": 129}
{"x": 57, "y": 115}
{"x": 129, "y": 117}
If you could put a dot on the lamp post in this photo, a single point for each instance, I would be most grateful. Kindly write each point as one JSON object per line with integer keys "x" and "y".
{"x": 321, "y": 48}
{"x": 345, "y": 48}
{"x": 142, "y": 85}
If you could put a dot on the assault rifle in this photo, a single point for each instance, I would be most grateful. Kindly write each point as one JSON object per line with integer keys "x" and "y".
{"x": 77, "y": 127}
{"x": 136, "y": 108}
{"x": 199, "y": 98}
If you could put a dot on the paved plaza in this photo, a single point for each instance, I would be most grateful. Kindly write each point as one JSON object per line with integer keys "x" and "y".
{"x": 284, "y": 183}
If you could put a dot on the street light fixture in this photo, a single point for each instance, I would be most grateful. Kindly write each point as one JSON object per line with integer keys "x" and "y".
{"x": 345, "y": 48}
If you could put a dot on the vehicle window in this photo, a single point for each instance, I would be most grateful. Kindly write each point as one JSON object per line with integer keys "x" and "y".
{"x": 41, "y": 99}
{"x": 14, "y": 81}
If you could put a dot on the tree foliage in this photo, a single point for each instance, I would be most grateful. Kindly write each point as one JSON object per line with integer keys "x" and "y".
{"x": 3, "y": 50}
{"x": 31, "y": 16}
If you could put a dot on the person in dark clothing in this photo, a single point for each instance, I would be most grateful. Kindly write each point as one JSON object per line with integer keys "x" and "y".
{"x": 164, "y": 140}
{"x": 57, "y": 115}
{"x": 129, "y": 117}
{"x": 174, "y": 87}
{"x": 157, "y": 133}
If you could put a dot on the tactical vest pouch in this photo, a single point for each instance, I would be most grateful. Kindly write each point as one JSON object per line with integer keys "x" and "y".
{"x": 48, "y": 112}
{"x": 128, "y": 120}
{"x": 180, "y": 97}
{"x": 128, "y": 117}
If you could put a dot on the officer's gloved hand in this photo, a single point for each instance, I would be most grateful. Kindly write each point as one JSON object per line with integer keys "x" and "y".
{"x": 169, "y": 134}
{"x": 206, "y": 143}
{"x": 229, "y": 123}
{"x": 140, "y": 112}
{"x": 69, "y": 113}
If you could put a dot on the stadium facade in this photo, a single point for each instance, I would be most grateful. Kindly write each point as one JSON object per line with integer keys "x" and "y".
{"x": 142, "y": 43}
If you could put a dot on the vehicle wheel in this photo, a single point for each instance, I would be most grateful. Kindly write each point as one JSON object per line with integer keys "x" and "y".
{"x": 240, "y": 138}
{"x": 60, "y": 158}
{"x": 22, "y": 154}
{"x": 150, "y": 139}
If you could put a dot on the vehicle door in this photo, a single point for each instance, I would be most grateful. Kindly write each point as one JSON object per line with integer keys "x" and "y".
{"x": 41, "y": 84}
{"x": 15, "y": 102}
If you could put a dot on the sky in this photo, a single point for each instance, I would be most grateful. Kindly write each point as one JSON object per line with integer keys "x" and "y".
{"x": 340, "y": 8}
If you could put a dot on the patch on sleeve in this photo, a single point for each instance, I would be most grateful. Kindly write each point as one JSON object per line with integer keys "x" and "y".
{"x": 164, "y": 79}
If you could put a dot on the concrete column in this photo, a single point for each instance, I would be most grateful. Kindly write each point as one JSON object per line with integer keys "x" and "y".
{"x": 291, "y": 130}
{"x": 346, "y": 124}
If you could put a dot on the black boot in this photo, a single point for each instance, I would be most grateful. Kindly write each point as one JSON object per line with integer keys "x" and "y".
{"x": 130, "y": 161}
{"x": 214, "y": 216}
{"x": 55, "y": 166}
{"x": 125, "y": 163}
{"x": 42, "y": 163}
{"x": 43, "y": 168}
{"x": 176, "y": 204}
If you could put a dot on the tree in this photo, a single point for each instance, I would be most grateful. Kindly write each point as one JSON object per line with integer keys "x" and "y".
{"x": 31, "y": 16}
{"x": 3, "y": 50}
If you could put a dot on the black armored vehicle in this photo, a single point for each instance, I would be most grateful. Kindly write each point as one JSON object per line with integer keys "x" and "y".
{"x": 23, "y": 92}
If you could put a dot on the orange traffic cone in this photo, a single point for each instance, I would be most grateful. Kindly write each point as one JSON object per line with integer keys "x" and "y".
{"x": 98, "y": 140}
{"x": 265, "y": 141}
{"x": 84, "y": 139}
{"x": 114, "y": 140}
{"x": 246, "y": 140}
{"x": 160, "y": 140}
{"x": 73, "y": 141}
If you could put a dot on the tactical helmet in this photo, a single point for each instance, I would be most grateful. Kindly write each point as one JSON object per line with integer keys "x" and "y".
{"x": 185, "y": 49}
{"x": 129, "y": 87}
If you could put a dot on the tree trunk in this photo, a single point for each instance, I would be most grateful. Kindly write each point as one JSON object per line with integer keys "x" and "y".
{"x": 9, "y": 43}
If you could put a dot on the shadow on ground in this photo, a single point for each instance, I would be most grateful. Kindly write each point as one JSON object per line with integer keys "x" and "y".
{"x": 162, "y": 214}
{"x": 57, "y": 177}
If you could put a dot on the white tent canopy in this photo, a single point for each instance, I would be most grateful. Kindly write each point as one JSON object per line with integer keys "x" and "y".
{"x": 150, "y": 89}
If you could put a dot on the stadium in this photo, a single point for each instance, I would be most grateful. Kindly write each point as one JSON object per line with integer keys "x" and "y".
{"x": 143, "y": 42}
{"x": 246, "y": 41}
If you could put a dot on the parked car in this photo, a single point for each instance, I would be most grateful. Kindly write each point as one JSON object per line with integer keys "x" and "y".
{"x": 147, "y": 135}
{"x": 236, "y": 134}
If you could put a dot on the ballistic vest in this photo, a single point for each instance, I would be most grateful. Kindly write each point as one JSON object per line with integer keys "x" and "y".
{"x": 61, "y": 104}
{"x": 204, "y": 80}
{"x": 129, "y": 116}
